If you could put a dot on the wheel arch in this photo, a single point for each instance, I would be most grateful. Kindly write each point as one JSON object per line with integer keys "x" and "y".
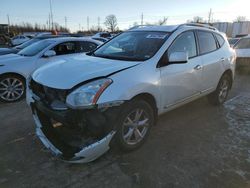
{"x": 229, "y": 72}
{"x": 151, "y": 100}
{"x": 14, "y": 73}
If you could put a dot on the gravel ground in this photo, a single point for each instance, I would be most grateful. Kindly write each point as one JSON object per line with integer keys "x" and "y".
{"x": 196, "y": 146}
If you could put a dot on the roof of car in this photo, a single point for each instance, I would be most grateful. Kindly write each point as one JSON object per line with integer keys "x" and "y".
{"x": 170, "y": 28}
{"x": 65, "y": 39}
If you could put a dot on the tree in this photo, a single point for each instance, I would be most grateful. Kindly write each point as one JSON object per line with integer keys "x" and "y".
{"x": 111, "y": 22}
{"x": 241, "y": 19}
{"x": 163, "y": 21}
{"x": 198, "y": 19}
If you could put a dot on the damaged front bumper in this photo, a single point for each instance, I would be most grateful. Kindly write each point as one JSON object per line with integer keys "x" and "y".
{"x": 87, "y": 154}
{"x": 58, "y": 146}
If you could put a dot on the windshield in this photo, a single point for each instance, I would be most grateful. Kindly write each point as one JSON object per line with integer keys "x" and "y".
{"x": 243, "y": 44}
{"x": 232, "y": 41}
{"x": 35, "y": 48}
{"x": 132, "y": 46}
{"x": 27, "y": 43}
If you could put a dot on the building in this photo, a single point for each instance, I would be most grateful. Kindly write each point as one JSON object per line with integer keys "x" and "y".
{"x": 233, "y": 29}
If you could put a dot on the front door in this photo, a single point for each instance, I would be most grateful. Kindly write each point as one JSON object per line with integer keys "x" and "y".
{"x": 181, "y": 81}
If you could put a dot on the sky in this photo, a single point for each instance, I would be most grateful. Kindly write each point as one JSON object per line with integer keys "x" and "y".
{"x": 127, "y": 11}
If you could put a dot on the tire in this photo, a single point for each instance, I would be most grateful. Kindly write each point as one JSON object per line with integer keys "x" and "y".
{"x": 132, "y": 130}
{"x": 12, "y": 88}
{"x": 219, "y": 96}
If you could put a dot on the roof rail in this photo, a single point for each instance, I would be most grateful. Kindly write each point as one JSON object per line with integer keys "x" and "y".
{"x": 198, "y": 25}
{"x": 139, "y": 26}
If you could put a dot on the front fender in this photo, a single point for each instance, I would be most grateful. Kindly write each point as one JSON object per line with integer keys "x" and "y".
{"x": 132, "y": 82}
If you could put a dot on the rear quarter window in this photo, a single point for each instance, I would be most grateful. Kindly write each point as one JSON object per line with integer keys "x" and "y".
{"x": 220, "y": 39}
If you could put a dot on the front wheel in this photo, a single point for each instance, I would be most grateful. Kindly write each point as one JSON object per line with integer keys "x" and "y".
{"x": 12, "y": 88}
{"x": 134, "y": 125}
{"x": 219, "y": 96}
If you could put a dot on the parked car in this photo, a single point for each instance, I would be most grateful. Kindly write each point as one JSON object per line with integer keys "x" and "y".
{"x": 102, "y": 35}
{"x": 19, "y": 39}
{"x": 242, "y": 47}
{"x": 233, "y": 41}
{"x": 100, "y": 39}
{"x": 14, "y": 68}
{"x": 16, "y": 49}
{"x": 116, "y": 92}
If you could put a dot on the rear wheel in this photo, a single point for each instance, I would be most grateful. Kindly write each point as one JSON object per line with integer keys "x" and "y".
{"x": 12, "y": 88}
{"x": 219, "y": 96}
{"x": 134, "y": 125}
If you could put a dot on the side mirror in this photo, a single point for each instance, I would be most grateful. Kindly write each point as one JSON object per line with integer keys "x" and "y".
{"x": 49, "y": 53}
{"x": 178, "y": 57}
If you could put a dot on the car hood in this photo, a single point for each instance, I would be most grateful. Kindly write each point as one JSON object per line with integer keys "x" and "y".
{"x": 68, "y": 72}
{"x": 11, "y": 58}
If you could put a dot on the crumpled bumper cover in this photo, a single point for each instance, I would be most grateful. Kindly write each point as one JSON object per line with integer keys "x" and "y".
{"x": 85, "y": 155}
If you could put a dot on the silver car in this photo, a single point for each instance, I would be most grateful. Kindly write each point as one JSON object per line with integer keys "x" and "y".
{"x": 114, "y": 94}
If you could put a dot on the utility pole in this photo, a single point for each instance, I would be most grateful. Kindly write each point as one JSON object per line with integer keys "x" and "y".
{"x": 142, "y": 19}
{"x": 8, "y": 17}
{"x": 65, "y": 19}
{"x": 51, "y": 14}
{"x": 98, "y": 22}
{"x": 210, "y": 16}
{"x": 88, "y": 23}
{"x": 79, "y": 27}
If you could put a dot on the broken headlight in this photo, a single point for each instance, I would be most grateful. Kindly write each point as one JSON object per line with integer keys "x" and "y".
{"x": 87, "y": 95}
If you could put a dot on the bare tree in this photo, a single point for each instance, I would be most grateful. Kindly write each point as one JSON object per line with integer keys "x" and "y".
{"x": 111, "y": 22}
{"x": 241, "y": 19}
{"x": 198, "y": 19}
{"x": 163, "y": 21}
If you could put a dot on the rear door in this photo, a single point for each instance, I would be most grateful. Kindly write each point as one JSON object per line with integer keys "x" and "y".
{"x": 212, "y": 60}
{"x": 180, "y": 82}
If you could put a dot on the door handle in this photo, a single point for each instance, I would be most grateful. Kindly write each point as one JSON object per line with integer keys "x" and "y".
{"x": 197, "y": 67}
{"x": 222, "y": 59}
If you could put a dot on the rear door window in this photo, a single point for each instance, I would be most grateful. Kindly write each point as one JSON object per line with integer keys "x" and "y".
{"x": 207, "y": 42}
{"x": 220, "y": 39}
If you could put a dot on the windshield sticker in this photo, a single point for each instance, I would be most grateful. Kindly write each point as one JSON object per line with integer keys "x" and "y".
{"x": 156, "y": 36}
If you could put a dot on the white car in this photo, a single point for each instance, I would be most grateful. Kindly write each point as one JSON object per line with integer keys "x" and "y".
{"x": 114, "y": 94}
{"x": 15, "y": 68}
{"x": 19, "y": 39}
{"x": 242, "y": 47}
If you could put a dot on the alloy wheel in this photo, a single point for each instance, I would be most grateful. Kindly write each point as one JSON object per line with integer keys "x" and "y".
{"x": 11, "y": 89}
{"x": 135, "y": 126}
{"x": 223, "y": 90}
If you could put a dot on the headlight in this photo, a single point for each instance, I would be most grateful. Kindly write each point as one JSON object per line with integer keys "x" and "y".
{"x": 88, "y": 94}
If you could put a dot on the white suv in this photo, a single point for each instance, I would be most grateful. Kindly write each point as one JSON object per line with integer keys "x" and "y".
{"x": 115, "y": 93}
